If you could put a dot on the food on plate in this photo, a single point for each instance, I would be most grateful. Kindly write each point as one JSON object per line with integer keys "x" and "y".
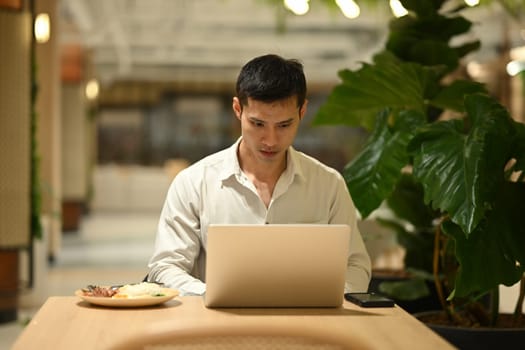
{"x": 98, "y": 291}
{"x": 137, "y": 290}
{"x": 144, "y": 289}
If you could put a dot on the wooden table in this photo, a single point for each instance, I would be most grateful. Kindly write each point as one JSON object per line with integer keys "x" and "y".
{"x": 70, "y": 323}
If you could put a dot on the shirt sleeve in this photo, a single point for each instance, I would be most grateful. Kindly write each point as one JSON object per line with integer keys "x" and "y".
{"x": 178, "y": 243}
{"x": 358, "y": 271}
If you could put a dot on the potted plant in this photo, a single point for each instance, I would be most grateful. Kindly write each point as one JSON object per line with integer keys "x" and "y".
{"x": 422, "y": 46}
{"x": 436, "y": 135}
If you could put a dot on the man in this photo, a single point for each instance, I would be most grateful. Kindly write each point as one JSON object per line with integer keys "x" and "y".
{"x": 259, "y": 179}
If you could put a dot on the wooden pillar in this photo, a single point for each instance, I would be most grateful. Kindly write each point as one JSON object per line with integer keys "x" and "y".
{"x": 15, "y": 50}
{"x": 75, "y": 126}
{"x": 49, "y": 124}
{"x": 15, "y": 165}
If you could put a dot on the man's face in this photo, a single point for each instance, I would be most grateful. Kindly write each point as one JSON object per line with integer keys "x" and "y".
{"x": 268, "y": 128}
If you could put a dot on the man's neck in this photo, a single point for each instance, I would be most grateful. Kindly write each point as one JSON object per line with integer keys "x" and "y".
{"x": 264, "y": 177}
{"x": 268, "y": 172}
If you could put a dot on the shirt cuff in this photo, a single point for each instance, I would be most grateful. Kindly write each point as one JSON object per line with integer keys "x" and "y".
{"x": 193, "y": 288}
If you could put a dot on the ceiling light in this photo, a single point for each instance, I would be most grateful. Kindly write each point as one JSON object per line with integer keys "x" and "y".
{"x": 397, "y": 8}
{"x": 42, "y": 28}
{"x": 349, "y": 8}
{"x": 299, "y": 7}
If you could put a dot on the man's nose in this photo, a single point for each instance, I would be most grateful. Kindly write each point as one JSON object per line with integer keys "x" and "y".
{"x": 270, "y": 137}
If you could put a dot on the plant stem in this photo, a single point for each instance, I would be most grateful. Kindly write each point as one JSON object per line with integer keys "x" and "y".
{"x": 435, "y": 268}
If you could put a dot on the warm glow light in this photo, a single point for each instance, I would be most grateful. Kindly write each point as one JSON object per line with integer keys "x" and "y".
{"x": 349, "y": 8}
{"x": 515, "y": 67}
{"x": 517, "y": 53}
{"x": 472, "y": 3}
{"x": 299, "y": 7}
{"x": 397, "y": 9}
{"x": 474, "y": 69}
{"x": 92, "y": 89}
{"x": 42, "y": 28}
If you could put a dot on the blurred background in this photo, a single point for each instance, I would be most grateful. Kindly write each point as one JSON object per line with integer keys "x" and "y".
{"x": 123, "y": 94}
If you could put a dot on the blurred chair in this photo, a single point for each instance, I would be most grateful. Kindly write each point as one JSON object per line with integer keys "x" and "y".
{"x": 259, "y": 336}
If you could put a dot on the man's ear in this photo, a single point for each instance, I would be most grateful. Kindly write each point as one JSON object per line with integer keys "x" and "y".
{"x": 237, "y": 107}
{"x": 302, "y": 110}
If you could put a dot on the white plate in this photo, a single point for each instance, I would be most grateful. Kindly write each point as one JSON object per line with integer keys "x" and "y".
{"x": 129, "y": 302}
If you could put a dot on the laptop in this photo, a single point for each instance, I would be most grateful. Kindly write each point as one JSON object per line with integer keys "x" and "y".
{"x": 291, "y": 265}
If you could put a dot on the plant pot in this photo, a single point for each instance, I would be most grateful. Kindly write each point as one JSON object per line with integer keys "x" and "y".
{"x": 479, "y": 338}
{"x": 427, "y": 303}
{"x": 72, "y": 211}
{"x": 9, "y": 267}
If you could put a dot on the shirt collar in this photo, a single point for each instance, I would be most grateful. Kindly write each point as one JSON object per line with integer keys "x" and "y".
{"x": 293, "y": 164}
{"x": 233, "y": 168}
{"x": 231, "y": 162}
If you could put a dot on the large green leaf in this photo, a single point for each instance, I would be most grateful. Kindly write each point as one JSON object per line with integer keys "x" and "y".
{"x": 519, "y": 148}
{"x": 453, "y": 95}
{"x": 407, "y": 203}
{"x": 435, "y": 27}
{"x": 494, "y": 253}
{"x": 372, "y": 175}
{"x": 461, "y": 167}
{"x": 424, "y": 38}
{"x": 467, "y": 48}
{"x": 338, "y": 110}
{"x": 423, "y": 8}
{"x": 423, "y": 51}
{"x": 365, "y": 92}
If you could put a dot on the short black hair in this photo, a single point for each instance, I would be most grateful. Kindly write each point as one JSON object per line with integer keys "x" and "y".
{"x": 271, "y": 78}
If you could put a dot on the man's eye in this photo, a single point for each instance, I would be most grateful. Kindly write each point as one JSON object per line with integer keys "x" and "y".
{"x": 284, "y": 125}
{"x": 257, "y": 124}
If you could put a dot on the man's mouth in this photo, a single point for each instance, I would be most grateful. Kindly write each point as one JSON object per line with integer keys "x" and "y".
{"x": 268, "y": 153}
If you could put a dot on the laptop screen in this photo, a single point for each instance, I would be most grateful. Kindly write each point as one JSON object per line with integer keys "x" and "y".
{"x": 292, "y": 265}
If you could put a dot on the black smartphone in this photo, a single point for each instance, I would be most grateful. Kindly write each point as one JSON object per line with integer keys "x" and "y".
{"x": 369, "y": 300}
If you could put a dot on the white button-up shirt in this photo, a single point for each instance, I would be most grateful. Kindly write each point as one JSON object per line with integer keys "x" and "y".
{"x": 216, "y": 191}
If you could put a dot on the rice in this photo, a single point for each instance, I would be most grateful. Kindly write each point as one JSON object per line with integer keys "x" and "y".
{"x": 143, "y": 289}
